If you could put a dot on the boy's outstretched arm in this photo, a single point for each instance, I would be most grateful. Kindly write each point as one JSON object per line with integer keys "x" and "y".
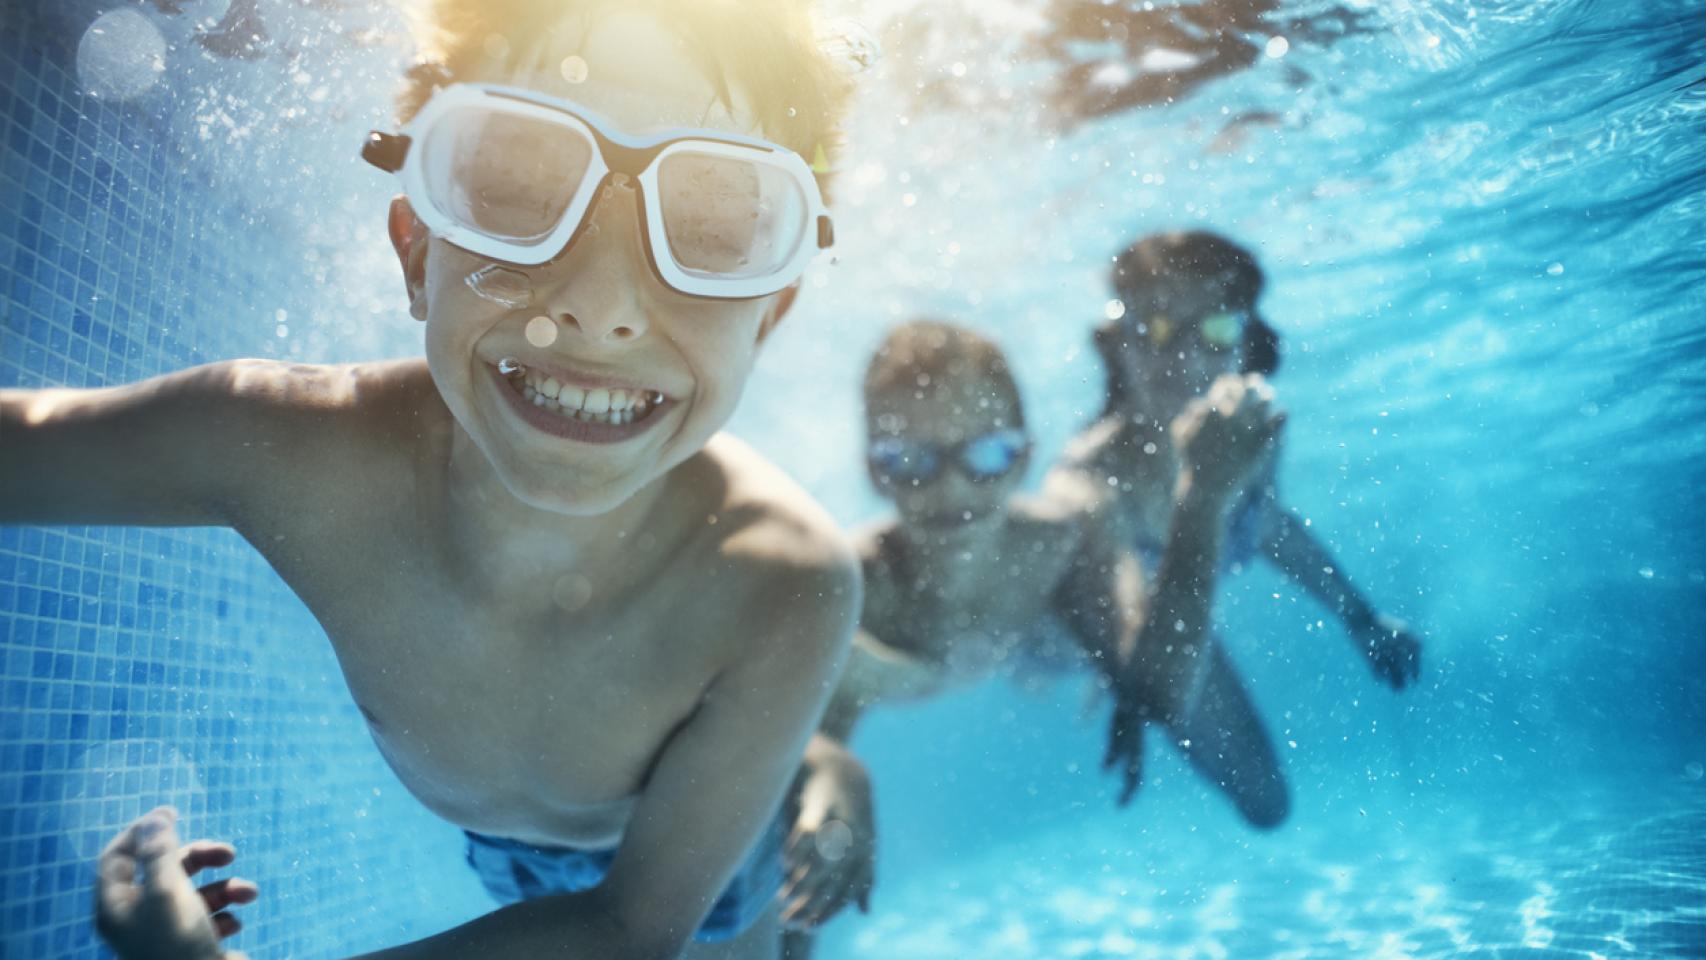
{"x": 711, "y": 794}
{"x": 183, "y": 449}
{"x": 1392, "y": 648}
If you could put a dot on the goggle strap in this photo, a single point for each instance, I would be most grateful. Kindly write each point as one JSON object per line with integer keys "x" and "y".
{"x": 386, "y": 150}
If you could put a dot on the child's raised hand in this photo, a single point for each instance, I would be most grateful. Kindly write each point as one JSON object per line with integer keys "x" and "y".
{"x": 831, "y": 852}
{"x": 161, "y": 915}
{"x": 1393, "y": 649}
{"x": 1226, "y": 436}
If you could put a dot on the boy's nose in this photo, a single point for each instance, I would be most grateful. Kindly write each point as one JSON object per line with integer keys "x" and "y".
{"x": 603, "y": 326}
{"x": 596, "y": 293}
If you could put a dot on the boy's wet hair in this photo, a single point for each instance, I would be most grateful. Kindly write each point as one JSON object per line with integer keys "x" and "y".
{"x": 769, "y": 49}
{"x": 920, "y": 355}
{"x": 1186, "y": 255}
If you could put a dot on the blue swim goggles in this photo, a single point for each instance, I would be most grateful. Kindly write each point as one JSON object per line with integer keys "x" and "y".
{"x": 511, "y": 175}
{"x": 985, "y": 458}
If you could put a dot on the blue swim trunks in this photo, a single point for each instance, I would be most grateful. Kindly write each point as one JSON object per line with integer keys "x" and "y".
{"x": 514, "y": 871}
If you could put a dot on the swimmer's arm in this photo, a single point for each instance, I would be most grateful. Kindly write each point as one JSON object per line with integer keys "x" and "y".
{"x": 1392, "y": 648}
{"x": 1306, "y": 561}
{"x": 875, "y": 673}
{"x": 175, "y": 450}
{"x": 715, "y": 786}
{"x": 1158, "y": 635}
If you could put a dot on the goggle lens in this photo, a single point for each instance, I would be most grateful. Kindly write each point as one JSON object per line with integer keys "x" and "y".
{"x": 728, "y": 217}
{"x": 983, "y": 458}
{"x": 993, "y": 454}
{"x": 897, "y": 462}
{"x": 505, "y": 175}
{"x": 1221, "y": 329}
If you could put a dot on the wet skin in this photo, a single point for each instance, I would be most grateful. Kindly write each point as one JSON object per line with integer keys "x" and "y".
{"x": 560, "y": 642}
{"x": 1130, "y": 463}
{"x": 959, "y": 586}
{"x": 956, "y": 589}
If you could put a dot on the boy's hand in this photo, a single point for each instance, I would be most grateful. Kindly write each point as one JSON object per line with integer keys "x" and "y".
{"x": 1125, "y": 741}
{"x": 831, "y": 853}
{"x": 163, "y": 916}
{"x": 1392, "y": 649}
{"x": 1225, "y": 437}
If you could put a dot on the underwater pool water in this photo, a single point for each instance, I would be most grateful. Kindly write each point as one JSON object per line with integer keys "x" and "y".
{"x": 1481, "y": 224}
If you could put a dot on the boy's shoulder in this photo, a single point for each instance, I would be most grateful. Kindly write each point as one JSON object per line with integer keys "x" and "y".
{"x": 358, "y": 392}
{"x": 351, "y": 412}
{"x": 764, "y": 528}
{"x": 334, "y": 432}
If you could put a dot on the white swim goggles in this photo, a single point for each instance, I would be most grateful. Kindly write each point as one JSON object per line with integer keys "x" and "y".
{"x": 510, "y": 175}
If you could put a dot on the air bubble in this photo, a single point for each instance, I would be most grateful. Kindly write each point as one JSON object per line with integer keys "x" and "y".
{"x": 1114, "y": 309}
{"x": 572, "y": 592}
{"x": 121, "y": 55}
{"x": 848, "y": 46}
{"x": 541, "y": 332}
{"x": 502, "y": 286}
{"x": 574, "y": 68}
{"x": 1277, "y": 47}
{"x": 833, "y": 840}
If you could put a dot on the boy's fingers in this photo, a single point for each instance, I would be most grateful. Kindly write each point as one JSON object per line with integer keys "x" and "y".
{"x": 223, "y": 893}
{"x": 202, "y": 854}
{"x": 115, "y": 876}
{"x": 828, "y": 901}
{"x": 798, "y": 846}
{"x": 156, "y": 845}
{"x": 117, "y": 864}
{"x": 226, "y": 925}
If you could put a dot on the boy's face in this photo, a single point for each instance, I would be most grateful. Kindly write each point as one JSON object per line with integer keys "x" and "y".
{"x": 940, "y": 421}
{"x": 598, "y": 318}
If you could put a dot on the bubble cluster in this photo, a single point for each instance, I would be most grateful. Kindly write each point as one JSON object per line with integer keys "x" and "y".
{"x": 121, "y": 56}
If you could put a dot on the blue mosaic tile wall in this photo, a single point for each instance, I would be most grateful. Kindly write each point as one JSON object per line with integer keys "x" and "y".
{"x": 141, "y": 666}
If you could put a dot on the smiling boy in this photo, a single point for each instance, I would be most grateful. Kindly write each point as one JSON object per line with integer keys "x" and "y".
{"x": 582, "y": 625}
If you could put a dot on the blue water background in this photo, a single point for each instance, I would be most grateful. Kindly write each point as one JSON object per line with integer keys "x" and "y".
{"x": 1482, "y": 229}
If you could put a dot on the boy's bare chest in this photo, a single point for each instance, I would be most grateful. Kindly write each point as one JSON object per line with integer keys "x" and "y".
{"x": 535, "y": 715}
{"x": 970, "y": 613}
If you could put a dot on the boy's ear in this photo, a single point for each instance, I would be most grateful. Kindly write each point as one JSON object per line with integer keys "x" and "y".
{"x": 779, "y": 308}
{"x": 409, "y": 239}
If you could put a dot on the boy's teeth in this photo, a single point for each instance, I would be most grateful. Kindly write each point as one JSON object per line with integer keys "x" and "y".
{"x": 599, "y": 405}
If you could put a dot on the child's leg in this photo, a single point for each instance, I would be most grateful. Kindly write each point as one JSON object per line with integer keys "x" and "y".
{"x": 759, "y": 942}
{"x": 1230, "y": 746}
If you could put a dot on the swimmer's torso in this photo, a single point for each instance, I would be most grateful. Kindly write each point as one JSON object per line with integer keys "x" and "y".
{"x": 936, "y": 615}
{"x": 512, "y": 699}
{"x": 1129, "y": 473}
